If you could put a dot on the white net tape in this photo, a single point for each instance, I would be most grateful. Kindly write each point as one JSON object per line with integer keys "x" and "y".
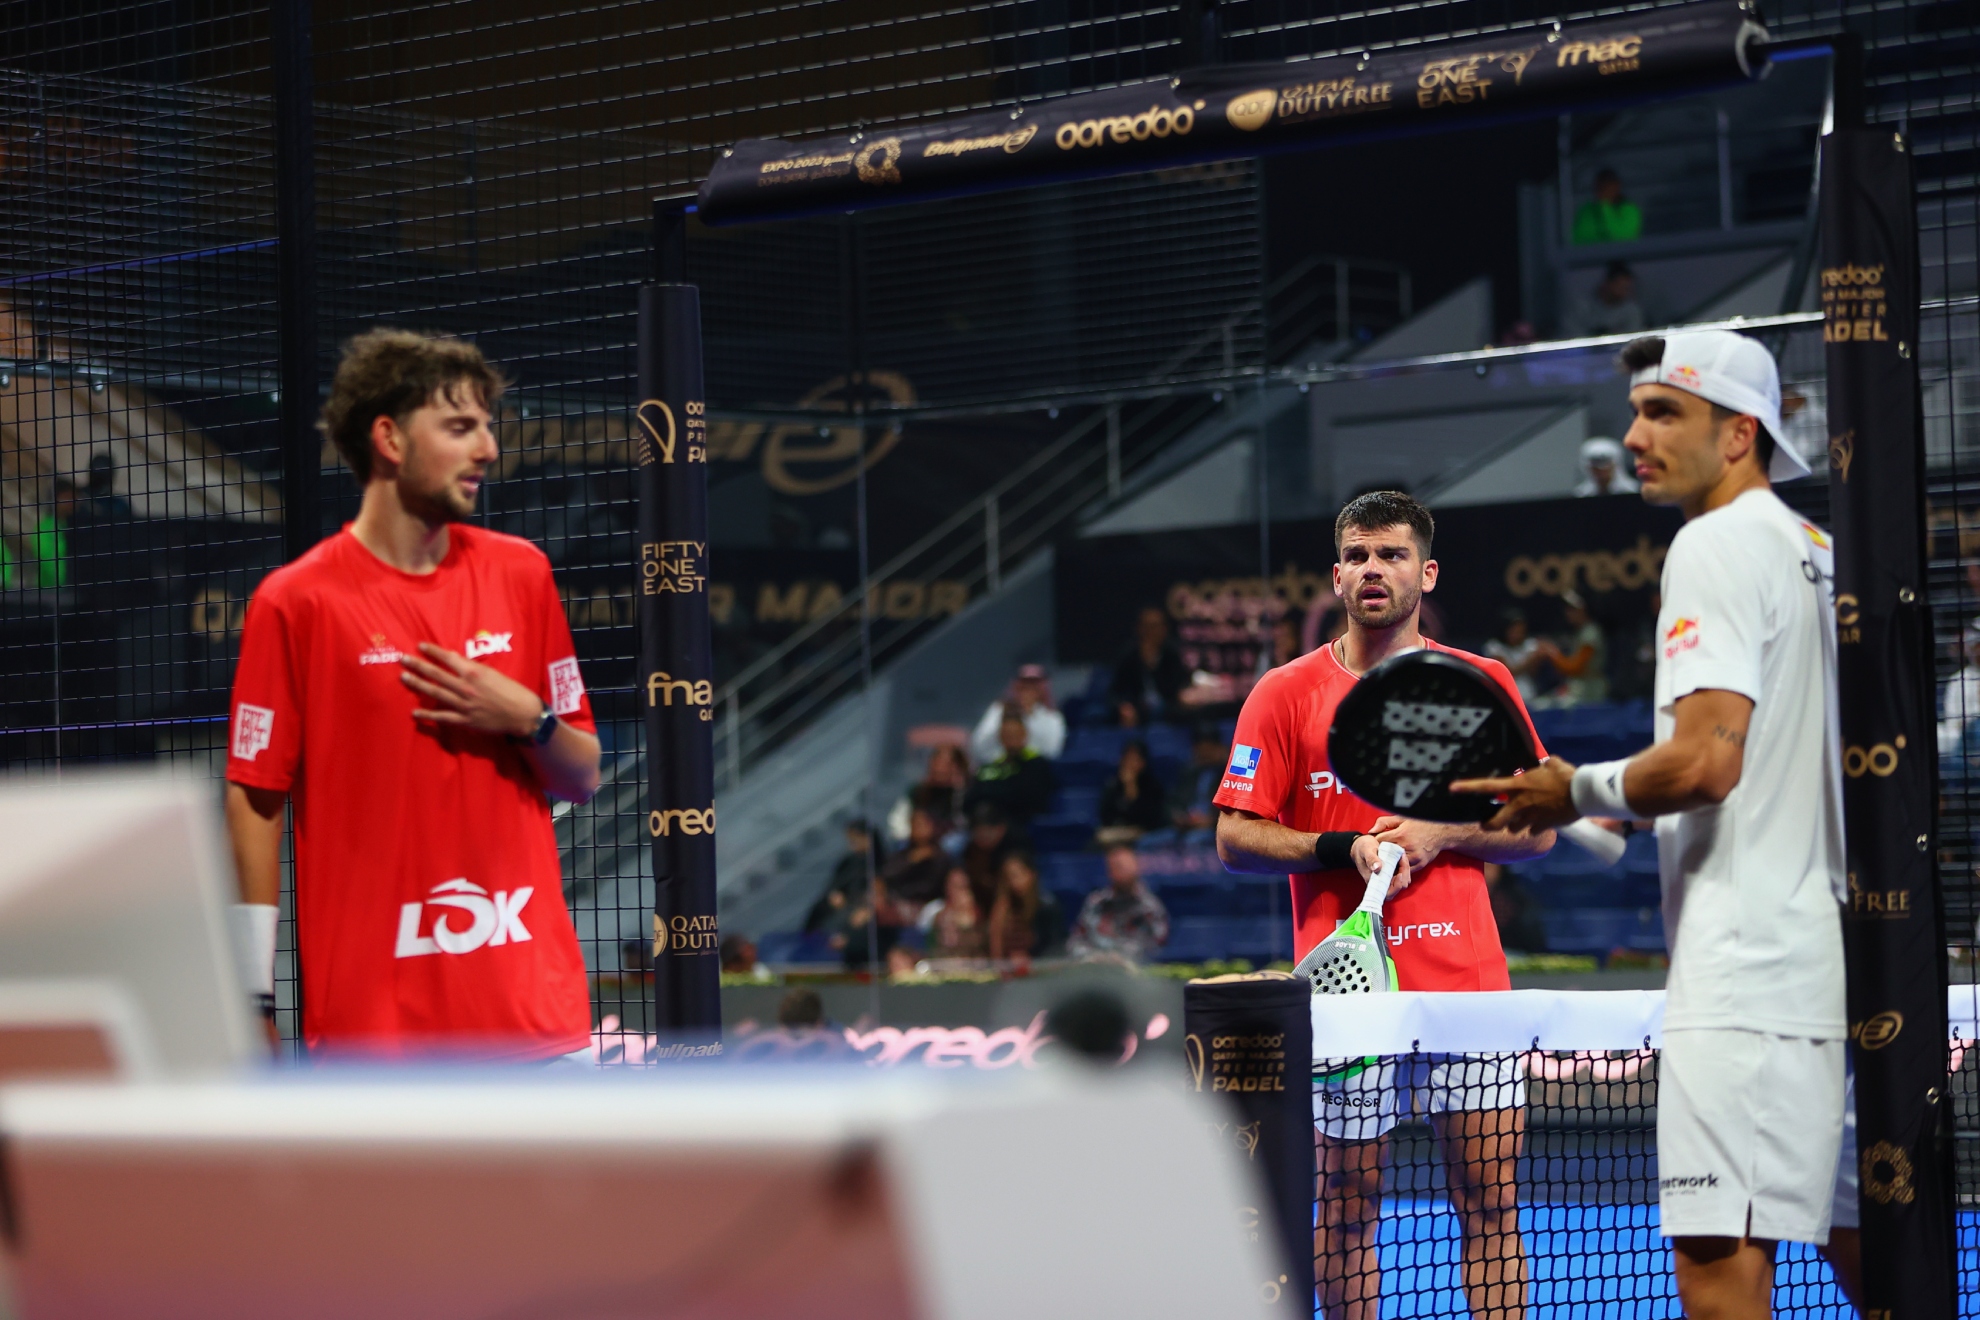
{"x": 1432, "y": 1022}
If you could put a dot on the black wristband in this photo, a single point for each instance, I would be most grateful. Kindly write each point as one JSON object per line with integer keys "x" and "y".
{"x": 1334, "y": 849}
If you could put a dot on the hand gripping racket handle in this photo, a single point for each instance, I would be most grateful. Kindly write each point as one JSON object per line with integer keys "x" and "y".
{"x": 1378, "y": 883}
{"x": 1607, "y": 847}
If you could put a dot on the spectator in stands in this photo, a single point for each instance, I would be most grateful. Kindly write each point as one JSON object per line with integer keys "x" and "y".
{"x": 1191, "y": 813}
{"x": 983, "y": 855}
{"x": 1583, "y": 661}
{"x": 1959, "y": 704}
{"x": 1030, "y": 696}
{"x": 1518, "y": 650}
{"x": 49, "y": 542}
{"x": 1611, "y": 307}
{"x": 801, "y": 1010}
{"x": 738, "y": 955}
{"x": 864, "y": 928}
{"x": 104, "y": 503}
{"x": 955, "y": 922}
{"x": 1131, "y": 801}
{"x": 1025, "y": 921}
{"x": 1604, "y": 468}
{"x": 1283, "y": 648}
{"x": 1515, "y": 910}
{"x": 1124, "y": 920}
{"x": 863, "y": 859}
{"x": 913, "y": 877}
{"x": 1609, "y": 217}
{"x": 1019, "y": 781}
{"x": 1150, "y": 678}
{"x": 940, "y": 793}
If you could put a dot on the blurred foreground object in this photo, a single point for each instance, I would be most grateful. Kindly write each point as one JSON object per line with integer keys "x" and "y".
{"x": 798, "y": 1193}
{"x": 113, "y": 945}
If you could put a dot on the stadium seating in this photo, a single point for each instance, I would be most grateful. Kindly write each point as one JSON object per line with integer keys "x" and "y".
{"x": 1588, "y": 907}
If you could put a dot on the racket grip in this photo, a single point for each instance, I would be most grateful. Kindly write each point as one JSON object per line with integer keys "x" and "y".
{"x": 1607, "y": 847}
{"x": 1391, "y": 854}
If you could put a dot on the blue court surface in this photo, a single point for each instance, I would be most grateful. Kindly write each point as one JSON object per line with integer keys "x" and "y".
{"x": 1605, "y": 1260}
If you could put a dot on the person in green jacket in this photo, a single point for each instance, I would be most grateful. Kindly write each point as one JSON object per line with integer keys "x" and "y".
{"x": 1610, "y": 217}
{"x": 48, "y": 544}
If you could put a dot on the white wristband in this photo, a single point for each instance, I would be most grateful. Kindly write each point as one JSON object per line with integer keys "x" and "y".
{"x": 1598, "y": 790}
{"x": 254, "y": 946}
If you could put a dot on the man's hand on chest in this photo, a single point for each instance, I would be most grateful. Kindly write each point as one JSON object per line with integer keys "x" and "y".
{"x": 469, "y": 694}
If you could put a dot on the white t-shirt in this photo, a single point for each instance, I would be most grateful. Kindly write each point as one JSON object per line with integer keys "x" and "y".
{"x": 1752, "y": 887}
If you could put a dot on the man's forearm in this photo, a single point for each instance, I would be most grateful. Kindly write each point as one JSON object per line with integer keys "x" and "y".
{"x": 1499, "y": 845}
{"x": 1251, "y": 845}
{"x": 254, "y": 829}
{"x": 567, "y": 765}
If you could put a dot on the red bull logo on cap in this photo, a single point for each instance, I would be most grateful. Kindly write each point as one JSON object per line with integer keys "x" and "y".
{"x": 1684, "y": 377}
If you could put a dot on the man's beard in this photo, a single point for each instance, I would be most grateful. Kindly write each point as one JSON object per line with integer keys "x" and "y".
{"x": 1399, "y": 606}
{"x": 443, "y": 504}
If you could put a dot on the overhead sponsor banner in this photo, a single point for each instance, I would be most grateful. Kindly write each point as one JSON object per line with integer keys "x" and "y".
{"x": 676, "y": 669}
{"x": 1894, "y": 924}
{"x": 1249, "y": 1043}
{"x": 1491, "y": 559}
{"x": 1244, "y": 110}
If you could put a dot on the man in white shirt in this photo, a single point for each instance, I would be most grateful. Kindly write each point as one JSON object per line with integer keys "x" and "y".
{"x": 1744, "y": 783}
{"x": 1044, "y": 727}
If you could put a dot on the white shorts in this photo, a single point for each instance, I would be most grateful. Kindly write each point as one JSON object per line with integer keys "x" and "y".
{"x": 1366, "y": 1105}
{"x": 1749, "y": 1134}
{"x": 1844, "y": 1213}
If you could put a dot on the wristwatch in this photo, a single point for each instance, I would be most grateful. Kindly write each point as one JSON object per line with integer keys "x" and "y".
{"x": 546, "y": 728}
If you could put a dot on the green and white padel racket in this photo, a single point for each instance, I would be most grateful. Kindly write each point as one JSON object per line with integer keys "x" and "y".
{"x": 1355, "y": 960}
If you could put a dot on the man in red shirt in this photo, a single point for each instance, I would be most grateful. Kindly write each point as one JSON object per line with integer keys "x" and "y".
{"x": 1281, "y": 809}
{"x": 411, "y": 686}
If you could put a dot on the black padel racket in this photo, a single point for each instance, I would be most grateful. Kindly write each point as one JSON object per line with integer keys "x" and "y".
{"x": 1416, "y": 722}
{"x": 1419, "y": 720}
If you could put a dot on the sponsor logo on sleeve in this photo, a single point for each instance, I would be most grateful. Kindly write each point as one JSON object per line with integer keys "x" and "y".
{"x": 566, "y": 687}
{"x": 487, "y": 643}
{"x": 492, "y": 920}
{"x": 1244, "y": 761}
{"x": 253, "y": 726}
{"x": 1680, "y": 636}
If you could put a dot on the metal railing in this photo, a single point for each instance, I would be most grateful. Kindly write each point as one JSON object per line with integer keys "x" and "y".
{"x": 782, "y": 691}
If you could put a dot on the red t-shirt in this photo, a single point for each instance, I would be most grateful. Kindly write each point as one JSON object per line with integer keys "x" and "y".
{"x": 429, "y": 899}
{"x": 1441, "y": 931}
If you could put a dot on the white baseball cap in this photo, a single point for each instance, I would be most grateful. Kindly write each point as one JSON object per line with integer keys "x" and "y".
{"x": 1734, "y": 372}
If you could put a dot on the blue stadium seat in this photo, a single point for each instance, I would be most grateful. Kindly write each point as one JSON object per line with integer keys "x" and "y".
{"x": 788, "y": 947}
{"x": 1095, "y": 744}
{"x": 1195, "y": 897}
{"x": 1092, "y": 775}
{"x": 1201, "y": 939}
{"x": 1061, "y": 834}
{"x": 1072, "y": 872}
{"x": 1078, "y": 801}
{"x": 1166, "y": 742}
{"x": 1602, "y": 930}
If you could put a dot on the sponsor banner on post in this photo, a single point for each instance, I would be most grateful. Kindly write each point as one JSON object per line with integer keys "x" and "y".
{"x": 1249, "y": 1042}
{"x": 677, "y": 670}
{"x": 1244, "y": 110}
{"x": 1894, "y": 921}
